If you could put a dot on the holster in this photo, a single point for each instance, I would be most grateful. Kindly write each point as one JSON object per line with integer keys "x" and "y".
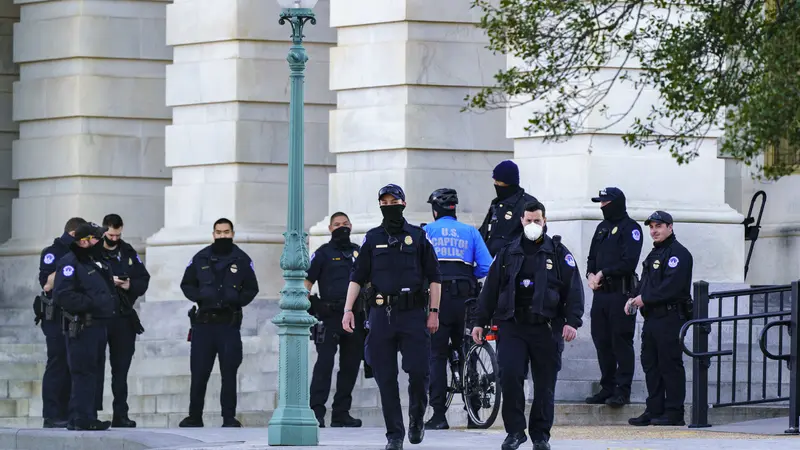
{"x": 74, "y": 324}
{"x": 318, "y": 333}
{"x": 126, "y": 310}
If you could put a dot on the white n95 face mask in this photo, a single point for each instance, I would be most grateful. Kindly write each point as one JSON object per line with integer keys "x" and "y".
{"x": 533, "y": 231}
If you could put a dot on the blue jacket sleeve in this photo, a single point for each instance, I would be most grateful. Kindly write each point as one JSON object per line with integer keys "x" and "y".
{"x": 430, "y": 262}
{"x": 67, "y": 291}
{"x": 249, "y": 286}
{"x": 483, "y": 260}
{"x": 362, "y": 268}
{"x": 572, "y": 290}
{"x": 673, "y": 281}
{"x": 631, "y": 251}
{"x": 139, "y": 277}
{"x": 314, "y": 268}
{"x": 487, "y": 300}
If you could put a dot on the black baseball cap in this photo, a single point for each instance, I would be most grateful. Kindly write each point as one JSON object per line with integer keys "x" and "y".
{"x": 608, "y": 194}
{"x": 394, "y": 190}
{"x": 89, "y": 230}
{"x": 659, "y": 217}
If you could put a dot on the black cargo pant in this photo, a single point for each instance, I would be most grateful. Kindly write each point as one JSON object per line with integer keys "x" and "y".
{"x": 612, "y": 333}
{"x": 662, "y": 361}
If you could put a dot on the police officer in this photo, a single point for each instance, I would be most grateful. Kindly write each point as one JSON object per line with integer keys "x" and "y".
{"x": 665, "y": 302}
{"x": 502, "y": 222}
{"x": 221, "y": 279}
{"x": 611, "y": 271}
{"x": 131, "y": 280}
{"x": 330, "y": 267}
{"x": 463, "y": 259}
{"x": 396, "y": 257}
{"x": 84, "y": 289}
{"x": 532, "y": 281}
{"x": 56, "y": 382}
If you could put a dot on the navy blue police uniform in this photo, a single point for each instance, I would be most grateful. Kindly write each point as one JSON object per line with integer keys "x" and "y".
{"x": 84, "y": 289}
{"x": 502, "y": 223}
{"x": 463, "y": 259}
{"x": 666, "y": 294}
{"x": 530, "y": 285}
{"x": 330, "y": 266}
{"x": 56, "y": 382}
{"x": 122, "y": 330}
{"x": 221, "y": 285}
{"x": 615, "y": 250}
{"x": 397, "y": 265}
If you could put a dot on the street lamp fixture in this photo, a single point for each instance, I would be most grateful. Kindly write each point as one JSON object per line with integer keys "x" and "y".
{"x": 293, "y": 423}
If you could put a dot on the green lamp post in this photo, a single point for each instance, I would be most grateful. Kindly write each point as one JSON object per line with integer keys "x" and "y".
{"x": 293, "y": 422}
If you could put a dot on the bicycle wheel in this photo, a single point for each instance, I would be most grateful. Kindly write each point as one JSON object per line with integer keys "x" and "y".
{"x": 481, "y": 377}
{"x": 452, "y": 387}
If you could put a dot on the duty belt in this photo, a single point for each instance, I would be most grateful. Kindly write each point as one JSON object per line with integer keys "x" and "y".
{"x": 402, "y": 301}
{"x": 218, "y": 317}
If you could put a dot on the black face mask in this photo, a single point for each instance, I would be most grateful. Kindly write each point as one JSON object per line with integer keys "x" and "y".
{"x": 341, "y": 237}
{"x": 393, "y": 217}
{"x": 110, "y": 243}
{"x": 504, "y": 192}
{"x": 83, "y": 254}
{"x": 615, "y": 210}
{"x": 222, "y": 246}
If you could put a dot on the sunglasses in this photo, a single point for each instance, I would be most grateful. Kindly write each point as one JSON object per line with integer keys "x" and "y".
{"x": 394, "y": 190}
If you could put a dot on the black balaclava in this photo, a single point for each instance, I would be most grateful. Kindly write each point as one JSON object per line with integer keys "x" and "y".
{"x": 393, "y": 220}
{"x": 340, "y": 237}
{"x": 615, "y": 210}
{"x": 442, "y": 212}
{"x": 222, "y": 246}
{"x": 83, "y": 254}
{"x": 504, "y": 192}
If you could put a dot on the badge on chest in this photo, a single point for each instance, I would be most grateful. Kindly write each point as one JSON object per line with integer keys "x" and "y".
{"x": 234, "y": 268}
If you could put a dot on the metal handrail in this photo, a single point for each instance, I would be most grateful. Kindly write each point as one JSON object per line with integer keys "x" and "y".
{"x": 711, "y": 320}
{"x": 762, "y": 340}
{"x": 751, "y": 291}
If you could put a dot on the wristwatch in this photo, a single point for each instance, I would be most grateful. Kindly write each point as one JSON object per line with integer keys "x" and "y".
{"x": 436, "y": 310}
{"x": 348, "y": 310}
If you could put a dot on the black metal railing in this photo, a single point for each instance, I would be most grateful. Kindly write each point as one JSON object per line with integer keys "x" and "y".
{"x": 768, "y": 308}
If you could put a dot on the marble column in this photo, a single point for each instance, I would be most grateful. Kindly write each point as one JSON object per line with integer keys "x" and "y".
{"x": 228, "y": 144}
{"x": 9, "y": 73}
{"x": 401, "y": 70}
{"x": 91, "y": 113}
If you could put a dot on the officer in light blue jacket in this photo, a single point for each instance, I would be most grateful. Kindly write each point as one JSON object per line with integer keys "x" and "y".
{"x": 463, "y": 259}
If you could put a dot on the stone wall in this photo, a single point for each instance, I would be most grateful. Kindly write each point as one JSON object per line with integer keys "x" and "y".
{"x": 9, "y": 73}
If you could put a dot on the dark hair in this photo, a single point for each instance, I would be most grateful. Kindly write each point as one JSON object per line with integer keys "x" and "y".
{"x": 535, "y": 205}
{"x": 223, "y": 220}
{"x": 338, "y": 214}
{"x": 112, "y": 221}
{"x": 73, "y": 224}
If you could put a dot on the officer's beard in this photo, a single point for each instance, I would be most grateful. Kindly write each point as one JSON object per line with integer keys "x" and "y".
{"x": 222, "y": 246}
{"x": 393, "y": 220}
{"x": 340, "y": 237}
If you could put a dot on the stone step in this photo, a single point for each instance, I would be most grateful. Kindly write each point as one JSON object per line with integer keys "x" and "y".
{"x": 21, "y": 334}
{"x": 565, "y": 414}
{"x": 17, "y": 317}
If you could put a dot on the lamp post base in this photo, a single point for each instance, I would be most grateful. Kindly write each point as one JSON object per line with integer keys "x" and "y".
{"x": 293, "y": 423}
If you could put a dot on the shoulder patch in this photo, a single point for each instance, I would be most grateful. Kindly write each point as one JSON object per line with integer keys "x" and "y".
{"x": 191, "y": 260}
{"x": 252, "y": 266}
{"x": 636, "y": 234}
{"x": 364, "y": 241}
{"x": 49, "y": 258}
{"x": 312, "y": 256}
{"x": 68, "y": 271}
{"x": 139, "y": 259}
{"x": 570, "y": 260}
{"x": 673, "y": 262}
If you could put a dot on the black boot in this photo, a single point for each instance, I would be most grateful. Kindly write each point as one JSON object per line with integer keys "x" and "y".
{"x": 541, "y": 445}
{"x": 618, "y": 401}
{"x": 91, "y": 425}
{"x": 345, "y": 421}
{"x": 513, "y": 441}
{"x": 437, "y": 422}
{"x": 394, "y": 444}
{"x": 191, "y": 422}
{"x": 416, "y": 430}
{"x": 122, "y": 422}
{"x": 641, "y": 421}
{"x": 54, "y": 423}
{"x": 599, "y": 398}
{"x": 231, "y": 422}
{"x": 668, "y": 420}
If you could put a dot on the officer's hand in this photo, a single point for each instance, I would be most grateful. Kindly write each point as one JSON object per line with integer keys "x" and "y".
{"x": 433, "y": 322}
{"x": 51, "y": 279}
{"x": 638, "y": 301}
{"x": 348, "y": 322}
{"x": 569, "y": 333}
{"x": 477, "y": 335}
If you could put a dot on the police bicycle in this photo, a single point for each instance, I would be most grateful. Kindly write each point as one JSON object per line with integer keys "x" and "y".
{"x": 475, "y": 376}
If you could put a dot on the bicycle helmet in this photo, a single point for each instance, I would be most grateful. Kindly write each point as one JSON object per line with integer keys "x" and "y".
{"x": 446, "y": 198}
